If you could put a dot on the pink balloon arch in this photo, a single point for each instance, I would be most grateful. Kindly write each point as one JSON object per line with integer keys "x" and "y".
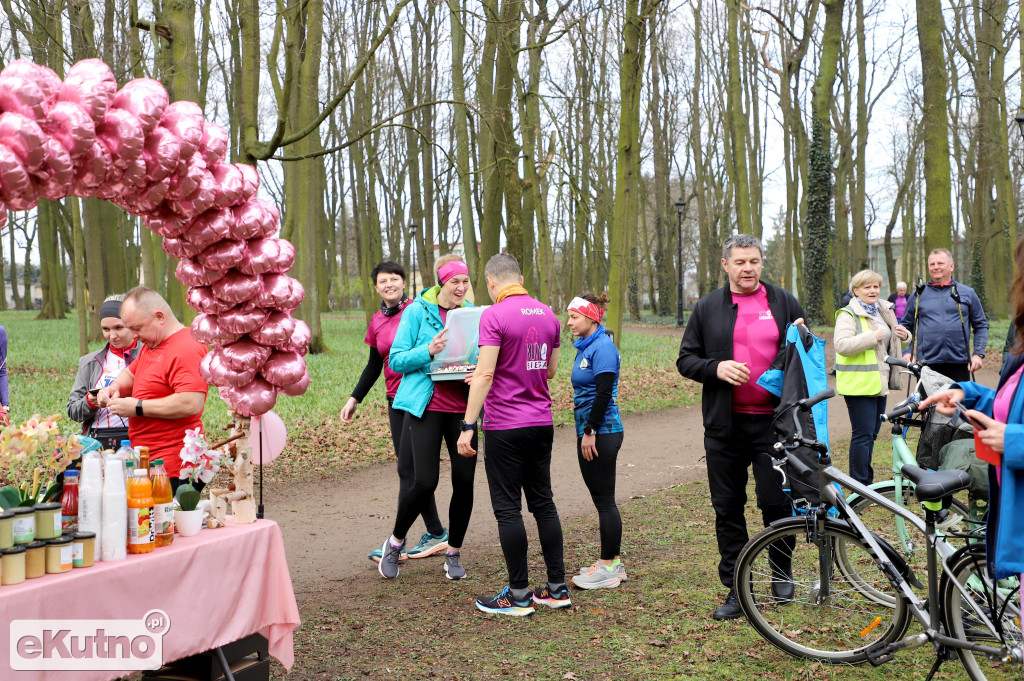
{"x": 163, "y": 161}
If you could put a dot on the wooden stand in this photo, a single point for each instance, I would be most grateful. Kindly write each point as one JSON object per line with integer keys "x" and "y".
{"x": 239, "y": 491}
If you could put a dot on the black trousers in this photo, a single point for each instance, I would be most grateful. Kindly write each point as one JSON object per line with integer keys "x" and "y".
{"x": 728, "y": 459}
{"x": 407, "y": 472}
{"x": 599, "y": 476}
{"x": 422, "y": 438}
{"x": 954, "y": 370}
{"x": 518, "y": 462}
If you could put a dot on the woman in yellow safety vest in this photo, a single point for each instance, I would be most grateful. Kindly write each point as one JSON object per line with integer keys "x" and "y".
{"x": 867, "y": 331}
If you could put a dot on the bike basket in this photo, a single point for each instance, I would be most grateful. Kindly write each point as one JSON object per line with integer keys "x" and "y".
{"x": 939, "y": 431}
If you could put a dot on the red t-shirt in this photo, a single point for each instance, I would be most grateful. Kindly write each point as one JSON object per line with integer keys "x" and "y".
{"x": 173, "y": 367}
{"x": 755, "y": 340}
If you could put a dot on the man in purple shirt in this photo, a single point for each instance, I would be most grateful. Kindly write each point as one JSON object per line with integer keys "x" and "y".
{"x": 519, "y": 339}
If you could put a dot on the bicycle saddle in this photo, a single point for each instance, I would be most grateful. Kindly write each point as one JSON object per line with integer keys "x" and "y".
{"x": 935, "y": 485}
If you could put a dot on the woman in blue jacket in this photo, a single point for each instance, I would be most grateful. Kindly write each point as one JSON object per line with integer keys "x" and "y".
{"x": 595, "y": 377}
{"x": 1001, "y": 412}
{"x": 434, "y": 413}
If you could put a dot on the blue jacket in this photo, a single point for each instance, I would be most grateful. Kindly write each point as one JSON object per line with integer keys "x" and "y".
{"x": 940, "y": 336}
{"x": 1006, "y": 511}
{"x": 421, "y": 321}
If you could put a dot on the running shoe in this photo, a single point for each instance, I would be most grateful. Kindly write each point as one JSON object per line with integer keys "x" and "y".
{"x": 553, "y": 599}
{"x": 453, "y": 566}
{"x": 376, "y": 554}
{"x": 620, "y": 569}
{"x": 505, "y": 604}
{"x": 388, "y": 565}
{"x": 597, "y": 576}
{"x": 430, "y": 544}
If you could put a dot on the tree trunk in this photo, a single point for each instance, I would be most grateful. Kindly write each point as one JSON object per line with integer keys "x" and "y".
{"x": 938, "y": 213}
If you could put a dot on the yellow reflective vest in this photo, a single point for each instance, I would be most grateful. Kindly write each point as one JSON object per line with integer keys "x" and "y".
{"x": 857, "y": 374}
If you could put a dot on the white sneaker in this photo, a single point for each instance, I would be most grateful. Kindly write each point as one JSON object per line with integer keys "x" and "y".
{"x": 597, "y": 576}
{"x": 620, "y": 569}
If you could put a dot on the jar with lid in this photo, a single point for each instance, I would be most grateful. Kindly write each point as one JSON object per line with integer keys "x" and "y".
{"x": 59, "y": 555}
{"x": 83, "y": 553}
{"x": 6, "y": 530}
{"x": 48, "y": 520}
{"x": 35, "y": 559}
{"x": 24, "y": 529}
{"x": 13, "y": 569}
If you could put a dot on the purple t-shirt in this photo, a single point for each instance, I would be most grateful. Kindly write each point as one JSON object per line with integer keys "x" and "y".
{"x": 380, "y": 334}
{"x": 526, "y": 331}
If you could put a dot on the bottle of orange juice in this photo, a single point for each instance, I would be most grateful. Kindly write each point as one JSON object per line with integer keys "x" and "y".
{"x": 141, "y": 532}
{"x": 163, "y": 504}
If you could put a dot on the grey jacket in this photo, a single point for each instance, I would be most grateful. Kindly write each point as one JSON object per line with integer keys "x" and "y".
{"x": 89, "y": 369}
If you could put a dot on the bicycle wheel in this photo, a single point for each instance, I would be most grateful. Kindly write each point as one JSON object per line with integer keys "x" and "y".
{"x": 999, "y": 601}
{"x": 837, "y": 629}
{"x": 909, "y": 542}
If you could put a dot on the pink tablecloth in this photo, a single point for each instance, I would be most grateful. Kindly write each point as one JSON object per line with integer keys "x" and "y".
{"x": 216, "y": 587}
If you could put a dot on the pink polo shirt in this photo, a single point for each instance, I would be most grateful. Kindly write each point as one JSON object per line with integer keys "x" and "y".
{"x": 755, "y": 341}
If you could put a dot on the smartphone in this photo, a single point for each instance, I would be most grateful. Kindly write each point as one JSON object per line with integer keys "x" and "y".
{"x": 94, "y": 392}
{"x": 962, "y": 413}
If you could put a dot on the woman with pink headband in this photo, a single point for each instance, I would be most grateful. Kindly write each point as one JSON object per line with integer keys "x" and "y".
{"x": 434, "y": 413}
{"x": 595, "y": 377}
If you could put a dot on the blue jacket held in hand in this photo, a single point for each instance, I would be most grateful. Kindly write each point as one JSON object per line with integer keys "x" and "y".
{"x": 421, "y": 321}
{"x": 940, "y": 336}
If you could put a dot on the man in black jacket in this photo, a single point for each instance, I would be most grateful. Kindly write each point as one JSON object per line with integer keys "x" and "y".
{"x": 731, "y": 338}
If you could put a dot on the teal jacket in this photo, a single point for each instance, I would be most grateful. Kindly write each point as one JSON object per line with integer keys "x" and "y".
{"x": 421, "y": 321}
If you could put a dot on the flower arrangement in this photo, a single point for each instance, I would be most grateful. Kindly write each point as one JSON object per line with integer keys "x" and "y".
{"x": 198, "y": 462}
{"x": 31, "y": 456}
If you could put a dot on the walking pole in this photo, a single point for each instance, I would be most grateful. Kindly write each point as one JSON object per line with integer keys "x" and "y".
{"x": 913, "y": 341}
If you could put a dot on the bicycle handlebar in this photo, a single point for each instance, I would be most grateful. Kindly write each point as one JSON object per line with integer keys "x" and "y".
{"x": 908, "y": 408}
{"x": 914, "y": 367}
{"x": 809, "y": 402}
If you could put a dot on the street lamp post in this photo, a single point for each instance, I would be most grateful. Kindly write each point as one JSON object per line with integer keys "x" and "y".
{"x": 1020, "y": 122}
{"x": 680, "y": 207}
{"x": 412, "y": 257}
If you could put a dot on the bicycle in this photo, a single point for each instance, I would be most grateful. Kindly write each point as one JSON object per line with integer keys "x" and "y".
{"x": 799, "y": 596}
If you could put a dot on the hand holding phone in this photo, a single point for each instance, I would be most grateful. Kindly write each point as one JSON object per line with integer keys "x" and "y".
{"x": 962, "y": 413}
{"x": 94, "y": 392}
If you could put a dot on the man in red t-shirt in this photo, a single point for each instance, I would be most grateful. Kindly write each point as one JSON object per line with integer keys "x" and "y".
{"x": 161, "y": 392}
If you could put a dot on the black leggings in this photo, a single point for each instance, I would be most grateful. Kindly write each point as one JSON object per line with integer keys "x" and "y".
{"x": 599, "y": 475}
{"x": 406, "y": 471}
{"x": 421, "y": 437}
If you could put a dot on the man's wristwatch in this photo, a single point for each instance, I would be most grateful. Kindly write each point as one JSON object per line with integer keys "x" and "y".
{"x": 138, "y": 408}
{"x": 467, "y": 426}
{"x": 587, "y": 430}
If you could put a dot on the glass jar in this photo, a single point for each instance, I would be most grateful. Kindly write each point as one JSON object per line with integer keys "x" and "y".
{"x": 84, "y": 551}
{"x": 59, "y": 555}
{"x": 13, "y": 569}
{"x": 35, "y": 559}
{"x": 6, "y": 530}
{"x": 48, "y": 520}
{"x": 24, "y": 524}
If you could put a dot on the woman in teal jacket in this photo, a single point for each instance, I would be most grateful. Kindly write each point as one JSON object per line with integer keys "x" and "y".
{"x": 435, "y": 411}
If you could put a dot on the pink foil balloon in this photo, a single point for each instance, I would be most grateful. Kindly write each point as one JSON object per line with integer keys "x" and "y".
{"x": 91, "y": 85}
{"x": 281, "y": 292}
{"x": 244, "y": 354}
{"x": 186, "y": 178}
{"x": 254, "y": 399}
{"x": 58, "y": 171}
{"x": 215, "y": 372}
{"x": 283, "y": 368}
{"x": 231, "y": 183}
{"x": 297, "y": 388}
{"x": 123, "y": 136}
{"x": 223, "y": 255}
{"x": 91, "y": 170}
{"x": 248, "y": 220}
{"x": 44, "y": 77}
{"x": 244, "y": 319}
{"x": 278, "y": 328}
{"x": 145, "y": 99}
{"x": 177, "y": 247}
{"x": 201, "y": 298}
{"x": 299, "y": 340}
{"x": 206, "y": 329}
{"x": 14, "y": 178}
{"x": 235, "y": 288}
{"x": 192, "y": 273}
{"x": 70, "y": 125}
{"x": 214, "y": 143}
{"x": 166, "y": 223}
{"x": 209, "y": 228}
{"x": 250, "y": 177}
{"x": 268, "y": 256}
{"x": 185, "y": 120}
{"x": 21, "y": 95}
{"x": 25, "y": 138}
{"x": 161, "y": 153}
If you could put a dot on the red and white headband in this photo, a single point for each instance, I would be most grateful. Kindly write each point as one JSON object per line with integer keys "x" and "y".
{"x": 587, "y": 309}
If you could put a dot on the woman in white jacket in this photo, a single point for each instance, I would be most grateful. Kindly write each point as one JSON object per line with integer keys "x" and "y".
{"x": 867, "y": 332}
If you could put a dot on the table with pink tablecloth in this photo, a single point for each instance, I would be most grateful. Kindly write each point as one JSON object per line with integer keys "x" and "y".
{"x": 217, "y": 587}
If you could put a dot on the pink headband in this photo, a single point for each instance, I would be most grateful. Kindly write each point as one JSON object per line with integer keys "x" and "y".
{"x": 450, "y": 269}
{"x": 587, "y": 309}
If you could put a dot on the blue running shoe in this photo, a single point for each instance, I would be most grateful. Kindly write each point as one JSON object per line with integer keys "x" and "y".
{"x": 505, "y": 604}
{"x": 553, "y": 599}
{"x": 430, "y": 544}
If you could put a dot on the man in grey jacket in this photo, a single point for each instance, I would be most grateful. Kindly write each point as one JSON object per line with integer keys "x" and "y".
{"x": 941, "y": 316}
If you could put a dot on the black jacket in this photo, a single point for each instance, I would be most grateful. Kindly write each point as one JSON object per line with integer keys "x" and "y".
{"x": 707, "y": 341}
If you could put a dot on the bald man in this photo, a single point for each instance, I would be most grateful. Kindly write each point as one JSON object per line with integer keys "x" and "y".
{"x": 161, "y": 392}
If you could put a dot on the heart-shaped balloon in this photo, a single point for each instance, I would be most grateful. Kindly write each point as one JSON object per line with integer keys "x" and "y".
{"x": 209, "y": 228}
{"x": 22, "y": 95}
{"x": 283, "y": 368}
{"x": 92, "y": 168}
{"x": 70, "y": 125}
{"x": 121, "y": 132}
{"x": 244, "y": 354}
{"x": 187, "y": 176}
{"x": 254, "y": 399}
{"x": 297, "y": 388}
{"x": 185, "y": 120}
{"x": 231, "y": 183}
{"x": 248, "y": 219}
{"x": 207, "y": 329}
{"x": 236, "y": 288}
{"x": 215, "y": 372}
{"x": 201, "y": 298}
{"x": 89, "y": 84}
{"x": 243, "y": 319}
{"x": 192, "y": 273}
{"x": 57, "y": 173}
{"x": 214, "y": 143}
{"x": 15, "y": 181}
{"x": 223, "y": 255}
{"x": 299, "y": 340}
{"x": 25, "y": 138}
{"x": 177, "y": 247}
{"x": 149, "y": 200}
{"x": 278, "y": 328}
{"x": 145, "y": 99}
{"x": 250, "y": 177}
{"x": 44, "y": 77}
{"x": 281, "y": 292}
{"x": 268, "y": 256}
{"x": 161, "y": 153}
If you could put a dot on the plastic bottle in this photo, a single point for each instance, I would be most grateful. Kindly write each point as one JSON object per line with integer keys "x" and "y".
{"x": 115, "y": 521}
{"x": 163, "y": 504}
{"x": 125, "y": 452}
{"x": 141, "y": 532}
{"x": 90, "y": 499}
{"x": 69, "y": 503}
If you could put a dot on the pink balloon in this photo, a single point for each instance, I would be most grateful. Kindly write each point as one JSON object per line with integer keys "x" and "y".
{"x": 25, "y": 138}
{"x": 43, "y": 76}
{"x": 214, "y": 143}
{"x": 281, "y": 292}
{"x": 147, "y": 201}
{"x": 243, "y": 319}
{"x": 58, "y": 171}
{"x": 134, "y": 177}
{"x": 206, "y": 328}
{"x": 244, "y": 354}
{"x": 186, "y": 178}
{"x": 201, "y": 298}
{"x": 166, "y": 222}
{"x": 267, "y": 437}
{"x": 299, "y": 340}
{"x": 161, "y": 153}
{"x": 250, "y": 177}
{"x": 248, "y": 218}
{"x": 22, "y": 95}
{"x": 209, "y": 228}
{"x": 123, "y": 135}
{"x": 235, "y": 288}
{"x": 271, "y": 218}
{"x": 70, "y": 125}
{"x": 91, "y": 169}
{"x": 215, "y": 372}
{"x": 253, "y": 399}
{"x": 185, "y": 120}
{"x": 91, "y": 85}
{"x": 268, "y": 256}
{"x": 231, "y": 182}
{"x": 223, "y": 255}
{"x": 204, "y": 197}
{"x": 297, "y": 388}
{"x": 145, "y": 99}
{"x": 283, "y": 368}
{"x": 278, "y": 328}
{"x": 192, "y": 273}
{"x": 15, "y": 182}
